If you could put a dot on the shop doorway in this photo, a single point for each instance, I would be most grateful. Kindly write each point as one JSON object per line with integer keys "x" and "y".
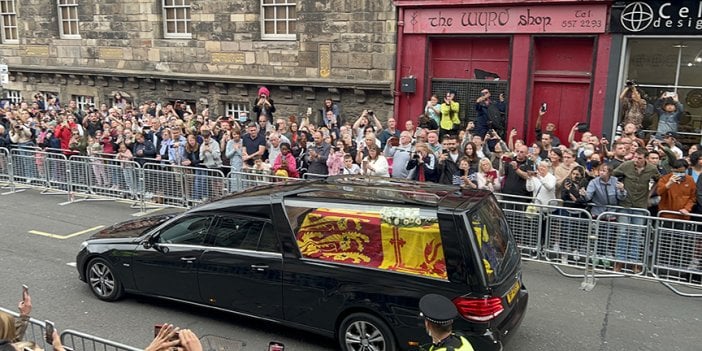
{"x": 567, "y": 104}
{"x": 562, "y": 78}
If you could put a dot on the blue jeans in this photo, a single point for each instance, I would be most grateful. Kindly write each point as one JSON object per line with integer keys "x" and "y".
{"x": 629, "y": 235}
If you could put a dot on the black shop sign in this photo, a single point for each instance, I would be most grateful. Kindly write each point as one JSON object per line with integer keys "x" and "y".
{"x": 657, "y": 17}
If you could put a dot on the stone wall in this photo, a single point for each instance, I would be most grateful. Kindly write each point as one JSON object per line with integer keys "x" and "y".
{"x": 344, "y": 48}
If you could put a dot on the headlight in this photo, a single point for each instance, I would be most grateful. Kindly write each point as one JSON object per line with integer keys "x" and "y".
{"x": 83, "y": 245}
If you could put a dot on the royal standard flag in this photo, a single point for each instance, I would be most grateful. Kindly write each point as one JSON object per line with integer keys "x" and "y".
{"x": 403, "y": 243}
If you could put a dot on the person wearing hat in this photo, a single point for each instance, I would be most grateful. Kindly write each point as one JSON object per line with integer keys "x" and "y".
{"x": 439, "y": 313}
{"x": 449, "y": 115}
{"x": 264, "y": 104}
{"x": 669, "y": 111}
{"x": 670, "y": 139}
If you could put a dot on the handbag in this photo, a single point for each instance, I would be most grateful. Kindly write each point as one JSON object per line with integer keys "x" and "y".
{"x": 532, "y": 211}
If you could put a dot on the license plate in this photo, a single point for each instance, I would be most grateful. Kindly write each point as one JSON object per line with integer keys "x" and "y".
{"x": 513, "y": 292}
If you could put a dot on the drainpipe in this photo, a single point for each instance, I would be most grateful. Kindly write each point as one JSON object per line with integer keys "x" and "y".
{"x": 398, "y": 63}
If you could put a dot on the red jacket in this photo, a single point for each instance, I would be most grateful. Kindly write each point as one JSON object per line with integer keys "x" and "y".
{"x": 64, "y": 134}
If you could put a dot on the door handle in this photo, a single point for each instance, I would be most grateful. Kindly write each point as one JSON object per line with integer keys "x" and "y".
{"x": 259, "y": 268}
{"x": 188, "y": 259}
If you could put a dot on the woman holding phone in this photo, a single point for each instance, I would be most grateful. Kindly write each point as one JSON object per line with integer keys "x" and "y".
{"x": 488, "y": 177}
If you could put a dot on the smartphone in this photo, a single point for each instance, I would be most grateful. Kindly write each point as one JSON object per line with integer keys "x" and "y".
{"x": 157, "y": 329}
{"x": 309, "y": 111}
{"x": 49, "y": 331}
{"x": 531, "y": 150}
{"x": 506, "y": 159}
{"x": 492, "y": 174}
{"x": 25, "y": 292}
{"x": 544, "y": 107}
{"x": 276, "y": 346}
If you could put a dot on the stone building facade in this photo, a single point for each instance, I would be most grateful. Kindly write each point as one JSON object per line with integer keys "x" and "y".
{"x": 208, "y": 52}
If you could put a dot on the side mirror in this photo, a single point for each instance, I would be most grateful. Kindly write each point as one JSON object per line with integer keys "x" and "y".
{"x": 150, "y": 242}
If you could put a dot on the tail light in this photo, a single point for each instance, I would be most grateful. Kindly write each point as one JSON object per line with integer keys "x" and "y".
{"x": 479, "y": 309}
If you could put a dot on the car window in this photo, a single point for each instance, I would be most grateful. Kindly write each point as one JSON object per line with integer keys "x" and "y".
{"x": 493, "y": 238}
{"x": 191, "y": 230}
{"x": 237, "y": 233}
{"x": 269, "y": 240}
{"x": 398, "y": 238}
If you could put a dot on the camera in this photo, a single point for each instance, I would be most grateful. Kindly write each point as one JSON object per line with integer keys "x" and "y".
{"x": 336, "y": 148}
{"x": 415, "y": 156}
{"x": 371, "y": 113}
{"x": 630, "y": 82}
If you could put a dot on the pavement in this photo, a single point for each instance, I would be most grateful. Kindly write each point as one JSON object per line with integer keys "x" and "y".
{"x": 40, "y": 239}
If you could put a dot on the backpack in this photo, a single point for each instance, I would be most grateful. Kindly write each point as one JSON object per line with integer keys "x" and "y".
{"x": 53, "y": 142}
{"x": 496, "y": 120}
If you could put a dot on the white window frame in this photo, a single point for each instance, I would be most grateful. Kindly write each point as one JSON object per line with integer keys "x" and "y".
{"x": 83, "y": 102}
{"x": 71, "y": 7}
{"x": 175, "y": 6}
{"x": 8, "y": 13}
{"x": 281, "y": 13}
{"x": 15, "y": 96}
{"x": 233, "y": 108}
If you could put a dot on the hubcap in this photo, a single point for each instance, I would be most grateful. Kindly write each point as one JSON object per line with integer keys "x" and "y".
{"x": 364, "y": 336}
{"x": 101, "y": 279}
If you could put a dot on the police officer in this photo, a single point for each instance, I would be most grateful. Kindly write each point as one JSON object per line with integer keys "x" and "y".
{"x": 439, "y": 313}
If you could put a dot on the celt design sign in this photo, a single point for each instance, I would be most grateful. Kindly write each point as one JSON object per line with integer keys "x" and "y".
{"x": 657, "y": 17}
{"x": 508, "y": 19}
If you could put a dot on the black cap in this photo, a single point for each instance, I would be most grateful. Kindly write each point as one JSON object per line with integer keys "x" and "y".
{"x": 671, "y": 134}
{"x": 437, "y": 309}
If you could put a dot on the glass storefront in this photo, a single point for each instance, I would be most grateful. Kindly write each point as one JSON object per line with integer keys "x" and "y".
{"x": 664, "y": 65}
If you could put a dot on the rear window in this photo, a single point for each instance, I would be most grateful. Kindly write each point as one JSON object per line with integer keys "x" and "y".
{"x": 496, "y": 246}
{"x": 401, "y": 239}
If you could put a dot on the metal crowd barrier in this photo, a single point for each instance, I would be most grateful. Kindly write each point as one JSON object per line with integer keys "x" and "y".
{"x": 35, "y": 329}
{"x": 677, "y": 252}
{"x": 620, "y": 242}
{"x": 86, "y": 342}
{"x": 70, "y": 339}
{"x": 102, "y": 177}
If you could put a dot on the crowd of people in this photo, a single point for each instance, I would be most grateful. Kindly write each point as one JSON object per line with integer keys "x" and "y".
{"x": 438, "y": 146}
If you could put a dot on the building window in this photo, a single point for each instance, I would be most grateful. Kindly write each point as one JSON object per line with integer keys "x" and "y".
{"x": 233, "y": 109}
{"x": 278, "y": 19}
{"x": 14, "y": 96}
{"x": 176, "y": 18}
{"x": 83, "y": 102}
{"x": 8, "y": 17}
{"x": 663, "y": 68}
{"x": 68, "y": 19}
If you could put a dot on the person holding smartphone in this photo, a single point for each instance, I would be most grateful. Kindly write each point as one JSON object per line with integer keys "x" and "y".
{"x": 14, "y": 329}
{"x": 264, "y": 104}
{"x": 669, "y": 110}
{"x": 677, "y": 190}
{"x": 487, "y": 177}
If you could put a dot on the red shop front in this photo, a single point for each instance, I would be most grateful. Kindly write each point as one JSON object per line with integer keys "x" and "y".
{"x": 555, "y": 52}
